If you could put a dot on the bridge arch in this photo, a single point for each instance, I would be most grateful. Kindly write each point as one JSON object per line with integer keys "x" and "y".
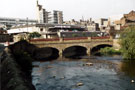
{"x": 46, "y": 53}
{"x": 63, "y": 45}
{"x": 95, "y": 49}
{"x": 74, "y": 51}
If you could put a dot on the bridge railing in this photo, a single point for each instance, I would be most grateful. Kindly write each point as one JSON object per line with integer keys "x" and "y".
{"x": 72, "y": 39}
{"x": 54, "y": 39}
{"x": 108, "y": 37}
{"x": 77, "y": 38}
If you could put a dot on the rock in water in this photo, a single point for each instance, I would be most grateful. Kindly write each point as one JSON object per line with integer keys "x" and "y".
{"x": 49, "y": 67}
{"x": 54, "y": 76}
{"x": 132, "y": 81}
{"x": 62, "y": 77}
{"x": 88, "y": 64}
{"x": 79, "y": 84}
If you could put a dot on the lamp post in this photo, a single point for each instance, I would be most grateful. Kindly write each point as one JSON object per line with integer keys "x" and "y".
{"x": 27, "y": 23}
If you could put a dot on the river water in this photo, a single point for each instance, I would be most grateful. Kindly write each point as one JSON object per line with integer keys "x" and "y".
{"x": 105, "y": 73}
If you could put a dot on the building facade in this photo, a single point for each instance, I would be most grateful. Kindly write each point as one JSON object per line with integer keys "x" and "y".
{"x": 42, "y": 14}
{"x": 46, "y": 30}
{"x": 57, "y": 17}
{"x": 128, "y": 19}
{"x": 15, "y": 21}
{"x": 102, "y": 22}
{"x": 88, "y": 24}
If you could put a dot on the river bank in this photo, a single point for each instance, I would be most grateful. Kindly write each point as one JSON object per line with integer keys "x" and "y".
{"x": 12, "y": 75}
{"x": 15, "y": 68}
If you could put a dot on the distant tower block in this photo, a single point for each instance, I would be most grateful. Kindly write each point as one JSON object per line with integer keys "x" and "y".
{"x": 90, "y": 20}
{"x": 82, "y": 18}
{"x": 57, "y": 17}
{"x": 42, "y": 14}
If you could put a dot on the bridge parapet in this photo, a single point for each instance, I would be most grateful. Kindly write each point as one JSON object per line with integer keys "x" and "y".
{"x": 70, "y": 40}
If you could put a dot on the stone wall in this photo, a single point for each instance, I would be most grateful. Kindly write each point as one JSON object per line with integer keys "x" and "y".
{"x": 12, "y": 77}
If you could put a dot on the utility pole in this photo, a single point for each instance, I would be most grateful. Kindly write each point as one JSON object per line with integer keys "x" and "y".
{"x": 37, "y": 2}
{"x": 27, "y": 24}
{"x": 82, "y": 18}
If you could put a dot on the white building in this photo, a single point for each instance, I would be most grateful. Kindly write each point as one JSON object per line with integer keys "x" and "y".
{"x": 42, "y": 14}
{"x": 15, "y": 21}
{"x": 102, "y": 22}
{"x": 57, "y": 17}
{"x": 46, "y": 30}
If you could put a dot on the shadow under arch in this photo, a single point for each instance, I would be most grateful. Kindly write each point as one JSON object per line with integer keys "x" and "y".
{"x": 95, "y": 50}
{"x": 46, "y": 53}
{"x": 74, "y": 52}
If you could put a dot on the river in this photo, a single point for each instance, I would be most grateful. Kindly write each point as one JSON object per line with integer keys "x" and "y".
{"x": 104, "y": 73}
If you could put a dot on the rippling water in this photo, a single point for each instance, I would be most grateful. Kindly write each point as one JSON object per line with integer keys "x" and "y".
{"x": 106, "y": 73}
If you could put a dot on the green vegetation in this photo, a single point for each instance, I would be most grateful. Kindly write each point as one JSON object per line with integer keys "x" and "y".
{"x": 109, "y": 51}
{"x": 34, "y": 35}
{"x": 127, "y": 42}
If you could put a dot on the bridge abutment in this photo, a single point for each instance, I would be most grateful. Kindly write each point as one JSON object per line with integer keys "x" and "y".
{"x": 88, "y": 51}
{"x": 61, "y": 53}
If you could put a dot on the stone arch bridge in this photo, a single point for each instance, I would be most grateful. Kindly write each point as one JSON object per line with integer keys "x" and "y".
{"x": 61, "y": 44}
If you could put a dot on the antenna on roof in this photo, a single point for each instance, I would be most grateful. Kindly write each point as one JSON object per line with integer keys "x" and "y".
{"x": 37, "y": 2}
{"x": 82, "y": 18}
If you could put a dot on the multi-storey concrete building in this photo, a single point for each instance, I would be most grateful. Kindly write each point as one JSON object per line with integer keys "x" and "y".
{"x": 42, "y": 14}
{"x": 57, "y": 17}
{"x": 88, "y": 24}
{"x": 15, "y": 21}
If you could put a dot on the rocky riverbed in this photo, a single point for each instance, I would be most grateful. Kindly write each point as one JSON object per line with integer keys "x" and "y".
{"x": 84, "y": 74}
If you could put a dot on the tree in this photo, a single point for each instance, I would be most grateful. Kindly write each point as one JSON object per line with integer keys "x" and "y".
{"x": 127, "y": 42}
{"x": 34, "y": 35}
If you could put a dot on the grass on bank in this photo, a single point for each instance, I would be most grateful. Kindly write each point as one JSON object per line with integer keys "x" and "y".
{"x": 109, "y": 51}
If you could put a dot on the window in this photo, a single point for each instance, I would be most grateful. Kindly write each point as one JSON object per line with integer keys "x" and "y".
{"x": 41, "y": 29}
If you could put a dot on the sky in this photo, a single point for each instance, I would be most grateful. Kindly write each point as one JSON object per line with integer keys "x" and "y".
{"x": 72, "y": 9}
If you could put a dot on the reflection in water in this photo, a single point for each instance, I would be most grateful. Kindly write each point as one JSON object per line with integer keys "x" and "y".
{"x": 128, "y": 67}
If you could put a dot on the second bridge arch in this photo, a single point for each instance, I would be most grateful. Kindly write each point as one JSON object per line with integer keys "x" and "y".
{"x": 74, "y": 51}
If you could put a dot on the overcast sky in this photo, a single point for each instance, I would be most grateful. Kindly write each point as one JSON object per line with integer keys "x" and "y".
{"x": 72, "y": 9}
